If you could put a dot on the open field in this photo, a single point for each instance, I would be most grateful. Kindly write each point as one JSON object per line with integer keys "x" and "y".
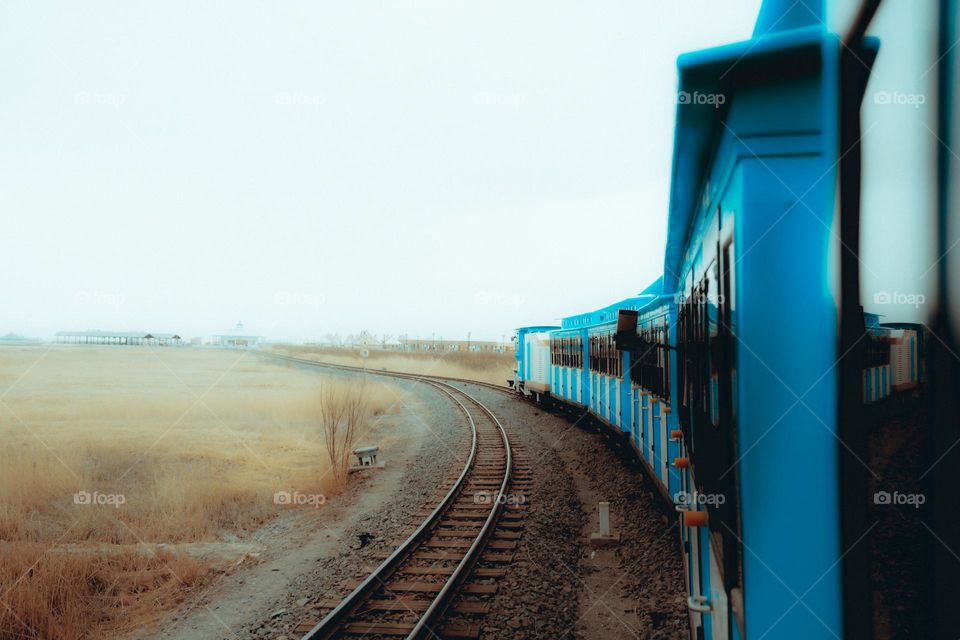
{"x": 494, "y": 368}
{"x": 106, "y": 452}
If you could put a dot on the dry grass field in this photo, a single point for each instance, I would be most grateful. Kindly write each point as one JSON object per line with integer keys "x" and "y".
{"x": 494, "y": 368}
{"x": 131, "y": 446}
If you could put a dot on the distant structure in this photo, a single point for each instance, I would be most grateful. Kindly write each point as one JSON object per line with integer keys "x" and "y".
{"x": 14, "y": 339}
{"x": 476, "y": 346}
{"x": 118, "y": 338}
{"x": 237, "y": 338}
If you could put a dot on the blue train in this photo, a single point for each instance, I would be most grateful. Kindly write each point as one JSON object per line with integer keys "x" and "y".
{"x": 741, "y": 377}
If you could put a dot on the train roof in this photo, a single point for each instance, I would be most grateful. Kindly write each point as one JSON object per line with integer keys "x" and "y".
{"x": 653, "y": 294}
{"x": 771, "y": 56}
{"x": 537, "y": 328}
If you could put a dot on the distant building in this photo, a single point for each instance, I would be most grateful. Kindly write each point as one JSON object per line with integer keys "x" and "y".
{"x": 14, "y": 339}
{"x": 237, "y": 338}
{"x": 97, "y": 336}
{"x": 475, "y": 346}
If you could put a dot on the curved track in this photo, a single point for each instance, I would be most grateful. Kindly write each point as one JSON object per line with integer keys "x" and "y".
{"x": 438, "y": 582}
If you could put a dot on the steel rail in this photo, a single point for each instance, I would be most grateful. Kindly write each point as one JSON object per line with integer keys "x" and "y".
{"x": 437, "y": 609}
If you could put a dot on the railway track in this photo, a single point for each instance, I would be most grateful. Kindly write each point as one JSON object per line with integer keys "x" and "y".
{"x": 439, "y": 582}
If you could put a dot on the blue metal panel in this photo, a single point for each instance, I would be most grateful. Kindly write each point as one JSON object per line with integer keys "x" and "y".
{"x": 782, "y": 15}
{"x": 776, "y": 373}
{"x": 659, "y": 455}
{"x": 526, "y": 363}
{"x": 647, "y": 431}
{"x": 602, "y": 403}
{"x": 625, "y": 397}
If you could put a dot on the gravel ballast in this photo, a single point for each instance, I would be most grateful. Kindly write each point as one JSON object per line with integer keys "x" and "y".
{"x": 562, "y": 587}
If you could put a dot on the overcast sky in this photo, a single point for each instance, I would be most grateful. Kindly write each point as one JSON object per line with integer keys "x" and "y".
{"x": 330, "y": 167}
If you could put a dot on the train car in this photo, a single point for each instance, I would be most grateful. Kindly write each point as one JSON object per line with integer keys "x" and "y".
{"x": 615, "y": 364}
{"x": 645, "y": 337}
{"x": 568, "y": 348}
{"x": 588, "y": 369}
{"x": 742, "y": 377}
{"x": 757, "y": 386}
{"x": 532, "y": 375}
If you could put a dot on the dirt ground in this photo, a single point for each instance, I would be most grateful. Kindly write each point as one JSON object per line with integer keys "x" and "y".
{"x": 310, "y": 553}
{"x": 565, "y": 587}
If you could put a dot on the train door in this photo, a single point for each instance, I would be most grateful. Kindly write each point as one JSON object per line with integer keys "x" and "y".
{"x": 615, "y": 402}
{"x": 662, "y": 433}
{"x": 725, "y": 562}
{"x": 594, "y": 392}
{"x": 648, "y": 426}
{"x": 635, "y": 421}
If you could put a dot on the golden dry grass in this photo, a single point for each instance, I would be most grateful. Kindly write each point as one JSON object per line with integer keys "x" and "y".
{"x": 196, "y": 442}
{"x": 490, "y": 367}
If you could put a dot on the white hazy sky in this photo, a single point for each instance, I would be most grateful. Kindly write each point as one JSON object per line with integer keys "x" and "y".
{"x": 313, "y": 167}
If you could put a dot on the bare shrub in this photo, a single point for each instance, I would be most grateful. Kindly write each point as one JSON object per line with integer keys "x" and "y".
{"x": 344, "y": 413}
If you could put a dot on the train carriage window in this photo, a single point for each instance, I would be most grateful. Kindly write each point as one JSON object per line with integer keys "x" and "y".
{"x": 649, "y": 361}
{"x": 707, "y": 369}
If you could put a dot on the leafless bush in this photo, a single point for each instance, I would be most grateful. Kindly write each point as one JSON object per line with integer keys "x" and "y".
{"x": 344, "y": 413}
